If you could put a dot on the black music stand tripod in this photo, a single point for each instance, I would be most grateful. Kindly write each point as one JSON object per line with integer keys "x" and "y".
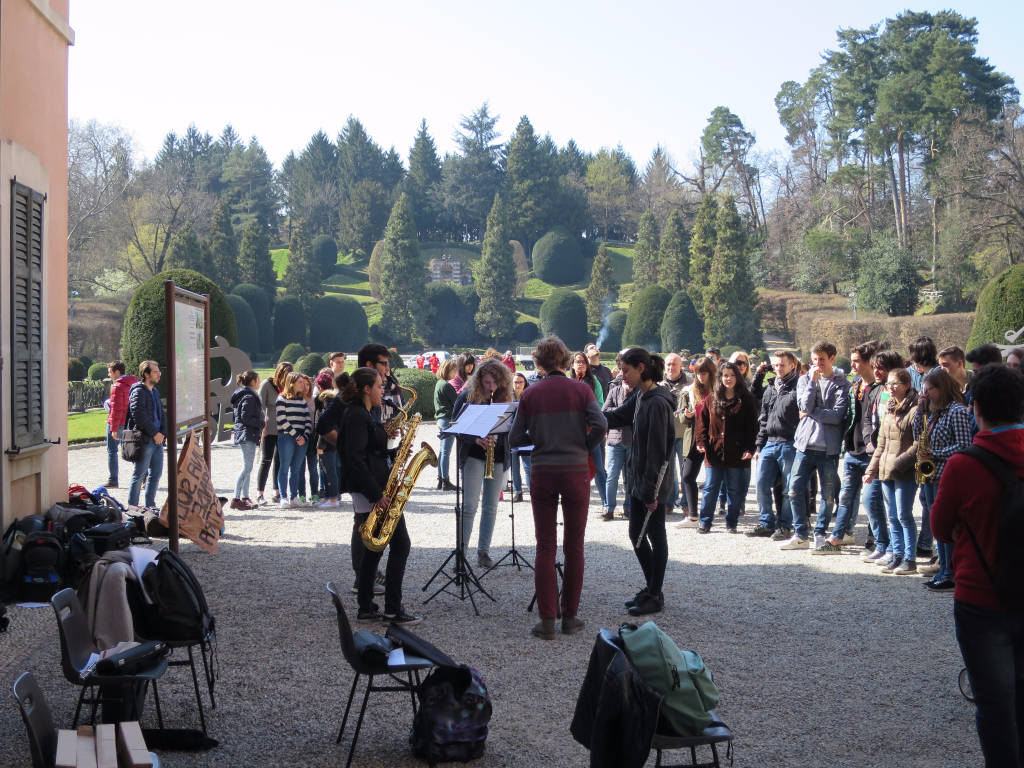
{"x": 517, "y": 559}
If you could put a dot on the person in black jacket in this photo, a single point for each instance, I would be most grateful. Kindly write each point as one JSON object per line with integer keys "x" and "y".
{"x": 649, "y": 411}
{"x": 365, "y": 467}
{"x": 146, "y": 413}
{"x": 775, "y": 450}
{"x": 249, "y": 422}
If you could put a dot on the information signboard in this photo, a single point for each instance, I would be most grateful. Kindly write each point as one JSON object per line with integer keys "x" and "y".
{"x": 189, "y": 360}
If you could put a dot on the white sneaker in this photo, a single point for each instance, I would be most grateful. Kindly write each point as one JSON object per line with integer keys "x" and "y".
{"x": 328, "y": 504}
{"x": 849, "y": 540}
{"x": 296, "y": 502}
{"x": 688, "y": 523}
{"x": 819, "y": 540}
{"x": 796, "y": 543}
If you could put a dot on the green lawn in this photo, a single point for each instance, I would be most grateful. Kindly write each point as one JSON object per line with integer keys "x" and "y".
{"x": 91, "y": 425}
{"x": 280, "y": 258}
{"x": 622, "y": 264}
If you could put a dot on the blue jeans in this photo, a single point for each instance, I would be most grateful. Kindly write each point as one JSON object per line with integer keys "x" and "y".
{"x": 520, "y": 464}
{"x": 112, "y": 454}
{"x": 804, "y": 465}
{"x": 329, "y": 474}
{"x": 872, "y": 498}
{"x": 472, "y": 483}
{"x": 854, "y": 466}
{"x": 149, "y": 466}
{"x": 899, "y": 500}
{"x": 293, "y": 460}
{"x": 992, "y": 644}
{"x": 313, "y": 467}
{"x": 618, "y": 461}
{"x": 600, "y": 476}
{"x": 945, "y": 549}
{"x": 445, "y": 456}
{"x": 677, "y": 474}
{"x": 731, "y": 480}
{"x": 776, "y": 460}
{"x": 925, "y": 539}
{"x": 248, "y": 457}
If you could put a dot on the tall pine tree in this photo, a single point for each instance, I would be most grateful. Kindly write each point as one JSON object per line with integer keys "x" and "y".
{"x": 674, "y": 256}
{"x": 496, "y": 277}
{"x": 185, "y": 252}
{"x": 302, "y": 277}
{"x": 423, "y": 183}
{"x": 730, "y": 315}
{"x": 645, "y": 255}
{"x": 254, "y": 263}
{"x": 531, "y": 185}
{"x": 603, "y": 290}
{"x": 402, "y": 274}
{"x": 224, "y": 249}
{"x": 702, "y": 249}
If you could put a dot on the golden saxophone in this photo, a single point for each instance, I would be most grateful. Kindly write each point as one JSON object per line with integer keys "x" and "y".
{"x": 396, "y": 421}
{"x": 380, "y": 525}
{"x": 489, "y": 455}
{"x": 924, "y": 467}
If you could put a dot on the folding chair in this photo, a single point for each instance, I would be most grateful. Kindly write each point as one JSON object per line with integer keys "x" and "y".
{"x": 351, "y": 648}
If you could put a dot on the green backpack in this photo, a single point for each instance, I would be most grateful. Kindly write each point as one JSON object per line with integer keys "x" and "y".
{"x": 679, "y": 676}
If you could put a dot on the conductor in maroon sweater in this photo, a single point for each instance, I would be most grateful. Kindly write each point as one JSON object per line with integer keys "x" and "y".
{"x": 561, "y": 419}
{"x": 969, "y": 502}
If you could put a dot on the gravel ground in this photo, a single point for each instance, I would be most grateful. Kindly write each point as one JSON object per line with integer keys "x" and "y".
{"x": 821, "y": 661}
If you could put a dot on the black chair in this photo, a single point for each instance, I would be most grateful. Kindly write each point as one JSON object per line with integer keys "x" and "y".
{"x": 76, "y": 647}
{"x": 351, "y": 647}
{"x": 206, "y": 646}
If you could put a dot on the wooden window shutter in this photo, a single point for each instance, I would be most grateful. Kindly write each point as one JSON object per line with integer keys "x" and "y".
{"x": 26, "y": 316}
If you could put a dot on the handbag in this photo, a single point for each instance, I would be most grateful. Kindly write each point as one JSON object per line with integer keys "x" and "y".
{"x": 132, "y": 441}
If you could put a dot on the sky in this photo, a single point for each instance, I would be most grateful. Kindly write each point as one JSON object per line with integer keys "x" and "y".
{"x": 601, "y": 73}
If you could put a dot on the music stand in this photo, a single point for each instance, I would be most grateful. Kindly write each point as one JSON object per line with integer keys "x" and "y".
{"x": 517, "y": 559}
{"x": 473, "y": 421}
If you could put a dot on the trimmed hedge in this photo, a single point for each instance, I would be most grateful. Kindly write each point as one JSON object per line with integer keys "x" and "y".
{"x": 97, "y": 371}
{"x": 1000, "y": 309}
{"x": 76, "y": 370}
{"x": 527, "y": 332}
{"x": 245, "y": 321}
{"x": 423, "y": 382}
{"x": 564, "y": 314}
{"x": 450, "y": 313}
{"x": 292, "y": 353}
{"x": 325, "y": 254}
{"x": 289, "y": 322}
{"x": 643, "y": 324}
{"x": 558, "y": 259}
{"x": 682, "y": 326}
{"x": 339, "y": 322}
{"x": 310, "y": 364}
{"x": 260, "y": 304}
{"x": 612, "y": 341}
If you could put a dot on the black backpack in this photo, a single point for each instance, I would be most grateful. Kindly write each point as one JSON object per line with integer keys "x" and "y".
{"x": 179, "y": 610}
{"x": 451, "y": 722}
{"x": 1005, "y": 576}
{"x": 42, "y": 567}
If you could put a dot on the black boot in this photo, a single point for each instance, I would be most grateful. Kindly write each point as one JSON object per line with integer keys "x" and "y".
{"x": 637, "y": 598}
{"x": 649, "y": 604}
{"x": 440, "y": 483}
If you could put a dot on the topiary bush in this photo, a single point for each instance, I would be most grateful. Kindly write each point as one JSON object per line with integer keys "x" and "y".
{"x": 557, "y": 258}
{"x": 339, "y": 323}
{"x": 643, "y": 323}
{"x": 396, "y": 359}
{"x": 310, "y": 364}
{"x": 423, "y": 382}
{"x": 260, "y": 304}
{"x": 143, "y": 335}
{"x": 325, "y": 254}
{"x": 564, "y": 314}
{"x": 527, "y": 332}
{"x": 245, "y": 321}
{"x": 1000, "y": 308}
{"x": 682, "y": 327}
{"x": 610, "y": 337}
{"x": 76, "y": 370}
{"x": 291, "y": 353}
{"x": 97, "y": 371}
{"x": 289, "y": 322}
{"x": 450, "y": 315}
{"x": 86, "y": 361}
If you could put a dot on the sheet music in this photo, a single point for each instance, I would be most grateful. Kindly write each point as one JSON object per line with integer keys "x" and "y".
{"x": 482, "y": 420}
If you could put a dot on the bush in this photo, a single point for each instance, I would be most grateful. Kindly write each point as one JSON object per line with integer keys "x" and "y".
{"x": 643, "y": 324}
{"x": 682, "y": 326}
{"x": 338, "y": 323}
{"x": 289, "y": 322}
{"x": 325, "y": 254}
{"x": 143, "y": 336}
{"x": 557, "y": 258}
{"x": 260, "y": 304}
{"x": 396, "y": 359}
{"x": 843, "y": 362}
{"x": 887, "y": 279}
{"x": 245, "y": 320}
{"x": 292, "y": 353}
{"x": 76, "y": 370}
{"x": 310, "y": 364}
{"x": 450, "y": 315}
{"x": 527, "y": 332}
{"x": 423, "y": 382}
{"x": 610, "y": 337}
{"x": 1000, "y": 308}
{"x": 97, "y": 371}
{"x": 564, "y": 314}
{"x": 86, "y": 361}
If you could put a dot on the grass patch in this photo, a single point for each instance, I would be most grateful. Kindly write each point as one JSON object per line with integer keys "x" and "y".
{"x": 279, "y": 256}
{"x": 88, "y": 426}
{"x": 622, "y": 264}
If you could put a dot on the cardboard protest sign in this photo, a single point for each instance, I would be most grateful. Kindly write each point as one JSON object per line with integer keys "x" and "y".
{"x": 200, "y": 516}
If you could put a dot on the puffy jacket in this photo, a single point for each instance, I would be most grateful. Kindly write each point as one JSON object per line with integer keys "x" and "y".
{"x": 822, "y": 426}
{"x": 119, "y": 401}
{"x": 654, "y": 435}
{"x": 896, "y": 451}
{"x": 617, "y": 395}
{"x": 248, "y": 412}
{"x": 779, "y": 414}
{"x": 146, "y": 411}
{"x": 738, "y": 435}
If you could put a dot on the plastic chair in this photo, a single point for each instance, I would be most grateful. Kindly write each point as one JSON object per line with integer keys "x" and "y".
{"x": 350, "y": 648}
{"x": 76, "y": 647}
{"x": 206, "y": 646}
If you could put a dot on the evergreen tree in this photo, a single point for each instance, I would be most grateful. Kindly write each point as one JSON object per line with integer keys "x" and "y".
{"x": 729, "y": 301}
{"x": 702, "y": 249}
{"x": 603, "y": 290}
{"x": 402, "y": 274}
{"x": 254, "y": 263}
{"x": 423, "y": 183}
{"x": 496, "y": 277}
{"x": 248, "y": 179}
{"x": 302, "y": 277}
{"x": 186, "y": 253}
{"x": 531, "y": 188}
{"x": 645, "y": 255}
{"x": 224, "y": 249}
{"x": 674, "y": 257}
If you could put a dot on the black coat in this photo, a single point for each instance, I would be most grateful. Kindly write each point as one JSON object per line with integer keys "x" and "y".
{"x": 364, "y": 453}
{"x": 654, "y": 436}
{"x": 779, "y": 412}
{"x": 146, "y": 412}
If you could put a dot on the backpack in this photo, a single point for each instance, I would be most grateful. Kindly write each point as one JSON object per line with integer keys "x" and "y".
{"x": 689, "y": 694}
{"x": 1005, "y": 576}
{"x": 451, "y": 722}
{"x": 42, "y": 567}
{"x": 179, "y": 610}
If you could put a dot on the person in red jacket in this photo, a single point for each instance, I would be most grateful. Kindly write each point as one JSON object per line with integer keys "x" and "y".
{"x": 117, "y": 416}
{"x": 991, "y": 637}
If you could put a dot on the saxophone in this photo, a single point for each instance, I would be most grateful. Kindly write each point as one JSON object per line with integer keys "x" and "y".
{"x": 924, "y": 467}
{"x": 396, "y": 421}
{"x": 489, "y": 455}
{"x": 380, "y": 525}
